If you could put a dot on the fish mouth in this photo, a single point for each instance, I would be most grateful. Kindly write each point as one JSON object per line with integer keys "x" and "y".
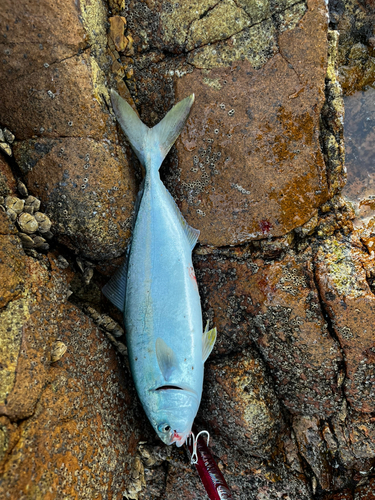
{"x": 169, "y": 387}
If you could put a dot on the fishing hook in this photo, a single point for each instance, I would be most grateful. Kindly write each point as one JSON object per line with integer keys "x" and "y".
{"x": 194, "y": 455}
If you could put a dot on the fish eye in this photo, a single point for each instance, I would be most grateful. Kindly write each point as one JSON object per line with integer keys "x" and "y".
{"x": 164, "y": 428}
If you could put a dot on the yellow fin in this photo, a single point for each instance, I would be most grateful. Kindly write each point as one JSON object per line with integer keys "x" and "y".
{"x": 208, "y": 341}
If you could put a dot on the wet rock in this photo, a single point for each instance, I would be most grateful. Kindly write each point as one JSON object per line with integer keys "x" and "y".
{"x": 276, "y": 305}
{"x": 350, "y": 304}
{"x": 312, "y": 448}
{"x": 359, "y": 136}
{"x": 84, "y": 190}
{"x": 355, "y": 20}
{"x": 240, "y": 406}
{"x": 226, "y": 183}
{"x": 78, "y": 395}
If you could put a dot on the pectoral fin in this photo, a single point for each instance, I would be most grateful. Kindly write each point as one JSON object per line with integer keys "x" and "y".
{"x": 166, "y": 357}
{"x": 208, "y": 341}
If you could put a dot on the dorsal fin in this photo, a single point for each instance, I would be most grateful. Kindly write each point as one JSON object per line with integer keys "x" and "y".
{"x": 166, "y": 357}
{"x": 208, "y": 341}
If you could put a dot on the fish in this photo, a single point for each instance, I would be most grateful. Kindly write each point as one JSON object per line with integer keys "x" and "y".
{"x": 156, "y": 287}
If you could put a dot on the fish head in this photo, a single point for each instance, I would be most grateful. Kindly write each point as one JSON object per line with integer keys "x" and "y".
{"x": 175, "y": 412}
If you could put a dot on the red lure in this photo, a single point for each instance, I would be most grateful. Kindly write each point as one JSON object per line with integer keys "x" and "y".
{"x": 210, "y": 474}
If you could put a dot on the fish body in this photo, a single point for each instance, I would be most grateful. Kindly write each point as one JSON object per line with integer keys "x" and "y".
{"x": 157, "y": 289}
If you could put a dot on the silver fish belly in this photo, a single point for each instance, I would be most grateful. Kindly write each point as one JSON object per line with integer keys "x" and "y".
{"x": 157, "y": 289}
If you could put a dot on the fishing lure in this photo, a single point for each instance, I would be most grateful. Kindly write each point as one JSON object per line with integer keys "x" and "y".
{"x": 156, "y": 287}
{"x": 210, "y": 474}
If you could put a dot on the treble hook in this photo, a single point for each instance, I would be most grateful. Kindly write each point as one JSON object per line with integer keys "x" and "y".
{"x": 194, "y": 444}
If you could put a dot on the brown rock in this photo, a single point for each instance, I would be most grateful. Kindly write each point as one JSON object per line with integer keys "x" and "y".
{"x": 74, "y": 424}
{"x": 249, "y": 163}
{"x": 350, "y": 304}
{"x": 277, "y": 306}
{"x": 50, "y": 72}
{"x": 12, "y": 266}
{"x": 312, "y": 448}
{"x": 366, "y": 491}
{"x": 231, "y": 189}
{"x": 342, "y": 495}
{"x": 116, "y": 32}
{"x": 68, "y": 103}
{"x": 7, "y": 181}
{"x": 84, "y": 191}
{"x": 239, "y": 404}
{"x": 355, "y": 440}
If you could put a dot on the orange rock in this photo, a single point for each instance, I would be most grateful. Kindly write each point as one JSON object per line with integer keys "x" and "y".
{"x": 76, "y": 433}
{"x": 12, "y": 266}
{"x": 116, "y": 32}
{"x": 250, "y": 158}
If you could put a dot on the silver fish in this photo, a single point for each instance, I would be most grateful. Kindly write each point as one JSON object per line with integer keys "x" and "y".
{"x": 157, "y": 290}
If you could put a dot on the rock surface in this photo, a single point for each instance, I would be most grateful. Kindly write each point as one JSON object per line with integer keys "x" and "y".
{"x": 247, "y": 143}
{"x": 288, "y": 394}
{"x": 64, "y": 131}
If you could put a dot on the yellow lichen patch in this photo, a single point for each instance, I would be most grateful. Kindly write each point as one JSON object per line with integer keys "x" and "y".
{"x": 98, "y": 82}
{"x": 212, "y": 82}
{"x": 256, "y": 44}
{"x": 257, "y": 10}
{"x": 12, "y": 320}
{"x": 220, "y": 23}
{"x": 94, "y": 19}
{"x": 175, "y": 21}
{"x": 343, "y": 270}
{"x": 116, "y": 5}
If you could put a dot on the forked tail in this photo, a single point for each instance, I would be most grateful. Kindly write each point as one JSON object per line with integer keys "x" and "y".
{"x": 151, "y": 145}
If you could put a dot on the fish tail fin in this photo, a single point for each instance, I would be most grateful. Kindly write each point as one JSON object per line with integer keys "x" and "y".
{"x": 151, "y": 145}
